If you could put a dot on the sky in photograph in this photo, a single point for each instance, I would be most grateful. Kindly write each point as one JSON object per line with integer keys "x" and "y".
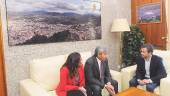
{"x": 150, "y": 11}
{"x": 62, "y": 6}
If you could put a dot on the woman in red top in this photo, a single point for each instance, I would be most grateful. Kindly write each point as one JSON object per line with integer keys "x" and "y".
{"x": 72, "y": 77}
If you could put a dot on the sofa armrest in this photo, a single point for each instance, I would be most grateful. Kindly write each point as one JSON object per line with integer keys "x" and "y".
{"x": 29, "y": 88}
{"x": 117, "y": 76}
{"x": 165, "y": 86}
{"x": 127, "y": 75}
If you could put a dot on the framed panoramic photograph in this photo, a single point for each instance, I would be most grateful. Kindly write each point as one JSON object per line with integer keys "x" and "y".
{"x": 46, "y": 21}
{"x": 149, "y": 13}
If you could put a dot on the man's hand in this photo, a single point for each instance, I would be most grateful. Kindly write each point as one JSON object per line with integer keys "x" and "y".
{"x": 108, "y": 86}
{"x": 146, "y": 81}
{"x": 141, "y": 82}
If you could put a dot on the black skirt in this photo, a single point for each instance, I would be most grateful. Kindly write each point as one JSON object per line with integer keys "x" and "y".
{"x": 75, "y": 93}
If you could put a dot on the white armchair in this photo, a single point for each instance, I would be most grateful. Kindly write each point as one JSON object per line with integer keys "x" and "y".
{"x": 163, "y": 89}
{"x": 45, "y": 76}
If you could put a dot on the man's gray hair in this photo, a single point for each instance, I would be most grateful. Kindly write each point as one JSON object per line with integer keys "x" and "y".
{"x": 98, "y": 50}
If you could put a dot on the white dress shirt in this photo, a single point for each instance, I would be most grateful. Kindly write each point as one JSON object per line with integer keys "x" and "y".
{"x": 147, "y": 68}
{"x": 99, "y": 63}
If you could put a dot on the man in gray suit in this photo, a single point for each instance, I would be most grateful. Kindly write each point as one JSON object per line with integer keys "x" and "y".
{"x": 97, "y": 74}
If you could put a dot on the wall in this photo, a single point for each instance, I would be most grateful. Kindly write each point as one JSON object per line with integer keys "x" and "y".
{"x": 17, "y": 58}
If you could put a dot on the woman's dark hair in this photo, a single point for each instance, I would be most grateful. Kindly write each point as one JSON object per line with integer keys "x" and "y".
{"x": 72, "y": 63}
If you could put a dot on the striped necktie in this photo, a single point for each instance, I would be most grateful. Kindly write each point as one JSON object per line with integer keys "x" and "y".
{"x": 101, "y": 71}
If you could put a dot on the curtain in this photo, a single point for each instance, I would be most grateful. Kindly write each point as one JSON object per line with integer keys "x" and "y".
{"x": 167, "y": 7}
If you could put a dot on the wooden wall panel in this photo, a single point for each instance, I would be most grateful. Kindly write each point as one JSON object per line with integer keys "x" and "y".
{"x": 133, "y": 11}
{"x": 2, "y": 68}
{"x": 153, "y": 31}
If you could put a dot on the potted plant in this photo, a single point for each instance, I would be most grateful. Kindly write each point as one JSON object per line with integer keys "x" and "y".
{"x": 132, "y": 42}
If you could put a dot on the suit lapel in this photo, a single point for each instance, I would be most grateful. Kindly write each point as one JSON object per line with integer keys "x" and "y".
{"x": 143, "y": 70}
{"x": 143, "y": 64}
{"x": 151, "y": 65}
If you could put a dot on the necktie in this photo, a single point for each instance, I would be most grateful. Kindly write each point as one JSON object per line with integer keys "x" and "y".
{"x": 101, "y": 71}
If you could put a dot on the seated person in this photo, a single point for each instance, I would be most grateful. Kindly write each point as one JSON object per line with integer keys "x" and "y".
{"x": 97, "y": 74}
{"x": 150, "y": 69}
{"x": 72, "y": 77}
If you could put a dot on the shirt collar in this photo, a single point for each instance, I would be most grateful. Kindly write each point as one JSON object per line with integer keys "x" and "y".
{"x": 98, "y": 60}
{"x": 149, "y": 59}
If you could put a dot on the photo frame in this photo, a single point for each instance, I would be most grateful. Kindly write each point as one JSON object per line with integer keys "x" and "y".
{"x": 149, "y": 13}
{"x": 36, "y": 21}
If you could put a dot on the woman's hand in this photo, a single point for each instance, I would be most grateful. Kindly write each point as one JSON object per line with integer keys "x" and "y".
{"x": 82, "y": 89}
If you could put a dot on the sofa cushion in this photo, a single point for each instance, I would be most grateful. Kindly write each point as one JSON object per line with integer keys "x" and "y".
{"x": 85, "y": 56}
{"x": 165, "y": 56}
{"x": 46, "y": 71}
{"x": 52, "y": 93}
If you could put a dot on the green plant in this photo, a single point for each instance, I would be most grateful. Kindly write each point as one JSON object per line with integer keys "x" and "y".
{"x": 132, "y": 42}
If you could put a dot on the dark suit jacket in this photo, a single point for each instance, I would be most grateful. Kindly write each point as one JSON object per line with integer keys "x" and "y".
{"x": 157, "y": 70}
{"x": 92, "y": 72}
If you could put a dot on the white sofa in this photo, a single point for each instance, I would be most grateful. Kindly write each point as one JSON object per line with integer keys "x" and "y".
{"x": 44, "y": 76}
{"x": 163, "y": 89}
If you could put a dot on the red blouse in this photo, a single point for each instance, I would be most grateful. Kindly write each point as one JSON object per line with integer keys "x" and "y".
{"x": 66, "y": 83}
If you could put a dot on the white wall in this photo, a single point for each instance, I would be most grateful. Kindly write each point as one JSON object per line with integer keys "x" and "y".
{"x": 17, "y": 57}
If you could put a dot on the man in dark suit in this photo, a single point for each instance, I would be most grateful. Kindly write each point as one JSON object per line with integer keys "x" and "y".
{"x": 150, "y": 69}
{"x": 97, "y": 74}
